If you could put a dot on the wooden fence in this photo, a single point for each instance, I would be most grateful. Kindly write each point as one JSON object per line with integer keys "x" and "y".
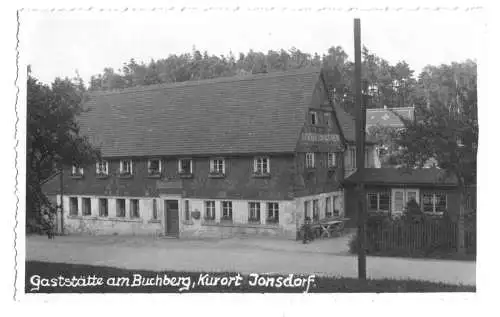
{"x": 427, "y": 236}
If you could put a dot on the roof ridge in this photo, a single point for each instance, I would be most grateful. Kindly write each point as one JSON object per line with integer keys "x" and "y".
{"x": 385, "y": 109}
{"x": 209, "y": 81}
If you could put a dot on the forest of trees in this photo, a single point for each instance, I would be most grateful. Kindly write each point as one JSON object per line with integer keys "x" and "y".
{"x": 386, "y": 84}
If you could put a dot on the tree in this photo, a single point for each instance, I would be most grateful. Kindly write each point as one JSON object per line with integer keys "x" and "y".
{"x": 53, "y": 138}
{"x": 387, "y": 144}
{"x": 446, "y": 127}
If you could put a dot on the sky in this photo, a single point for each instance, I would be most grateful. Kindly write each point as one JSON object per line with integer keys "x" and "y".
{"x": 60, "y": 43}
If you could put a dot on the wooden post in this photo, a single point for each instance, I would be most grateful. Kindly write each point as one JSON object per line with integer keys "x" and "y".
{"x": 360, "y": 150}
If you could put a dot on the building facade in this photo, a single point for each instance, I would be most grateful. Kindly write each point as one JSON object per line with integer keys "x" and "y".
{"x": 388, "y": 191}
{"x": 214, "y": 158}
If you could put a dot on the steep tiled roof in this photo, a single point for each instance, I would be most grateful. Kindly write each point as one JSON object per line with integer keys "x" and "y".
{"x": 394, "y": 176}
{"x": 386, "y": 117}
{"x": 261, "y": 113}
{"x": 348, "y": 125}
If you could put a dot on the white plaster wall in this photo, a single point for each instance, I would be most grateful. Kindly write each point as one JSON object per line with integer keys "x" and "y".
{"x": 240, "y": 226}
{"x": 94, "y": 224}
{"x": 299, "y": 203}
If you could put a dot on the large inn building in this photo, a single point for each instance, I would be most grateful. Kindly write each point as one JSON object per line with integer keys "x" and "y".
{"x": 213, "y": 158}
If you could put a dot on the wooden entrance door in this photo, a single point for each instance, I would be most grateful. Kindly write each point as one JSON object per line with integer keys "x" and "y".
{"x": 171, "y": 218}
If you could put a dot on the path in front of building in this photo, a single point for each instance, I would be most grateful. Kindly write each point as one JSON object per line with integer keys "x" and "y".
{"x": 245, "y": 255}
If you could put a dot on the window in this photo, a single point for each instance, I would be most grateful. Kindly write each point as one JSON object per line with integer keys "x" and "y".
{"x": 73, "y": 206}
{"x": 273, "y": 213}
{"x": 309, "y": 160}
{"x": 227, "y": 210}
{"x": 102, "y": 168}
{"x": 434, "y": 202}
{"x": 217, "y": 166}
{"x": 120, "y": 207}
{"x": 336, "y": 212}
{"x": 399, "y": 201}
{"x": 315, "y": 210}
{"x": 103, "y": 207}
{"x": 372, "y": 201}
{"x": 352, "y": 157}
{"x": 306, "y": 209}
{"x": 261, "y": 165}
{"x": 328, "y": 207}
{"x": 155, "y": 210}
{"x": 86, "y": 211}
{"x": 367, "y": 158}
{"x": 185, "y": 166}
{"x": 126, "y": 167}
{"x": 186, "y": 210}
{"x": 76, "y": 171}
{"x": 210, "y": 210}
{"x": 154, "y": 167}
{"x": 379, "y": 201}
{"x": 134, "y": 208}
{"x": 314, "y": 118}
{"x": 332, "y": 160}
{"x": 254, "y": 212}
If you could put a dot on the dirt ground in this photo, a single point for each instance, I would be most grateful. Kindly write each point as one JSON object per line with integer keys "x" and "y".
{"x": 245, "y": 255}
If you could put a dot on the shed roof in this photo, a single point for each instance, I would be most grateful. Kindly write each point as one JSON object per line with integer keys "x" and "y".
{"x": 395, "y": 176}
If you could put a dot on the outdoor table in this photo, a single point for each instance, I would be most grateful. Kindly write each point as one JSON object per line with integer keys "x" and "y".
{"x": 331, "y": 226}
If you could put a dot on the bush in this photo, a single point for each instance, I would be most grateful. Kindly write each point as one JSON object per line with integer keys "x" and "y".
{"x": 35, "y": 222}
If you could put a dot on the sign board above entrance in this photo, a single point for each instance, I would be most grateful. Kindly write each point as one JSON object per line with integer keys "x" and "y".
{"x": 169, "y": 184}
{"x": 320, "y": 137}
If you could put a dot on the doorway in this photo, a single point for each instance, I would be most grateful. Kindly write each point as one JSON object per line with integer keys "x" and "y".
{"x": 401, "y": 197}
{"x": 171, "y": 211}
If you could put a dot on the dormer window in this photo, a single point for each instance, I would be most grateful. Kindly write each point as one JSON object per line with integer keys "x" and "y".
{"x": 154, "y": 167}
{"x": 126, "y": 167}
{"x": 261, "y": 166}
{"x": 76, "y": 171}
{"x": 102, "y": 168}
{"x": 185, "y": 166}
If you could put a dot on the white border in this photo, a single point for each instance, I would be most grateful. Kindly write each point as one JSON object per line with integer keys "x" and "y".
{"x": 407, "y": 304}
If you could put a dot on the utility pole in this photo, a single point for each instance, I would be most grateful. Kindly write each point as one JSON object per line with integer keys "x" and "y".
{"x": 360, "y": 149}
{"x": 61, "y": 193}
